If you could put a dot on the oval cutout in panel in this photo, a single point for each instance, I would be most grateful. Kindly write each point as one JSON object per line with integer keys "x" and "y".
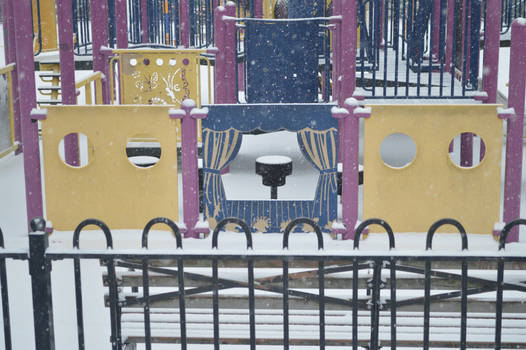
{"x": 398, "y": 150}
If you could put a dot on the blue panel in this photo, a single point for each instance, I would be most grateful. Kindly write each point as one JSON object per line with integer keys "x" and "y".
{"x": 282, "y": 61}
{"x": 270, "y": 117}
{"x": 305, "y": 8}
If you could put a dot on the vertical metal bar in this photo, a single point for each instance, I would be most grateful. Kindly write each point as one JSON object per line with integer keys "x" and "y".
{"x": 27, "y": 101}
{"x": 409, "y": 35}
{"x": 441, "y": 41}
{"x": 427, "y": 301}
{"x": 5, "y": 298}
{"x": 385, "y": 32}
{"x": 78, "y": 301}
{"x": 182, "y": 302}
{"x": 355, "y": 304}
{"x": 498, "y": 311}
{"x": 453, "y": 46}
{"x": 491, "y": 50}
{"x": 285, "y": 304}
{"x": 465, "y": 47}
{"x": 392, "y": 283}
{"x": 39, "y": 269}
{"x": 321, "y": 292}
{"x": 396, "y": 38}
{"x": 146, "y": 301}
{"x": 116, "y": 343}
{"x": 251, "y": 304}
{"x": 464, "y": 305}
{"x": 215, "y": 303}
{"x": 516, "y": 100}
{"x": 375, "y": 304}
{"x": 431, "y": 49}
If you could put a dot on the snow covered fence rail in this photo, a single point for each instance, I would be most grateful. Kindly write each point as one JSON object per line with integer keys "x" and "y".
{"x": 288, "y": 298}
{"x": 215, "y": 297}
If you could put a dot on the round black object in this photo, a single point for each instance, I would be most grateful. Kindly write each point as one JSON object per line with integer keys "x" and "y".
{"x": 274, "y": 170}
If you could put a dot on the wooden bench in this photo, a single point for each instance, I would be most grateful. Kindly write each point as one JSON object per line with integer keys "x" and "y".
{"x": 234, "y": 322}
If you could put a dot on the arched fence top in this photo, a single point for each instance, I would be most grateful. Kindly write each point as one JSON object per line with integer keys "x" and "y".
{"x": 442, "y": 222}
{"x": 221, "y": 225}
{"x": 506, "y": 230}
{"x": 161, "y": 220}
{"x": 300, "y": 221}
{"x": 374, "y": 221}
{"x": 98, "y": 223}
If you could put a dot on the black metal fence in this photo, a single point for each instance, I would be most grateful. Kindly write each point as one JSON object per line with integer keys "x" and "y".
{"x": 367, "y": 309}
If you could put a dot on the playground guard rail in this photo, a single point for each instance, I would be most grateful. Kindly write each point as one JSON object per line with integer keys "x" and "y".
{"x": 91, "y": 83}
{"x": 40, "y": 259}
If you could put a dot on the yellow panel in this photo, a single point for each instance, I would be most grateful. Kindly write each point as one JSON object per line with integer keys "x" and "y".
{"x": 48, "y": 25}
{"x": 109, "y": 187}
{"x": 154, "y": 80}
{"x": 432, "y": 186}
{"x": 160, "y": 77}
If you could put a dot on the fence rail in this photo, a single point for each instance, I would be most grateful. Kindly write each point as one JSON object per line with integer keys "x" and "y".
{"x": 328, "y": 298}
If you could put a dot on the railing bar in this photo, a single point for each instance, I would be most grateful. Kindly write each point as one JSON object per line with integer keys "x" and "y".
{"x": 215, "y": 303}
{"x": 427, "y": 292}
{"x": 321, "y": 288}
{"x": 114, "y": 307}
{"x": 464, "y": 306}
{"x": 431, "y": 42}
{"x": 396, "y": 43}
{"x": 182, "y": 302}
{"x": 78, "y": 301}
{"x": 355, "y": 305}
{"x": 285, "y": 305}
{"x": 146, "y": 301}
{"x": 251, "y": 304}
{"x": 498, "y": 313}
{"x": 386, "y": 30}
{"x": 392, "y": 283}
{"x": 5, "y": 305}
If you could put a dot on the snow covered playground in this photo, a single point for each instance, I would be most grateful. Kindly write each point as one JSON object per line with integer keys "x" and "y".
{"x": 270, "y": 174}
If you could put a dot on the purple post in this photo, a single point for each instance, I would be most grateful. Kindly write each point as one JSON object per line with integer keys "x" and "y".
{"x": 99, "y": 20}
{"x": 121, "y": 24}
{"x": 67, "y": 73}
{"x": 514, "y": 141}
{"x": 466, "y": 149}
{"x": 220, "y": 64}
{"x": 190, "y": 167}
{"x": 490, "y": 70}
{"x": 348, "y": 56}
{"x": 184, "y": 23}
{"x": 450, "y": 35}
{"x": 230, "y": 53}
{"x": 258, "y": 8}
{"x": 350, "y": 161}
{"x": 10, "y": 57}
{"x": 144, "y": 21}
{"x": 336, "y": 49}
{"x": 26, "y": 89}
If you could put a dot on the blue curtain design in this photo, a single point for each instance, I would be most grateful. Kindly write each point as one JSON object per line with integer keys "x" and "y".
{"x": 319, "y": 147}
{"x": 219, "y": 149}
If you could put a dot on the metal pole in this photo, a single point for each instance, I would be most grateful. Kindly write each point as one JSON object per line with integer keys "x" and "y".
{"x": 515, "y": 127}
{"x": 41, "y": 285}
{"x": 67, "y": 74}
{"x": 26, "y": 90}
{"x": 490, "y": 70}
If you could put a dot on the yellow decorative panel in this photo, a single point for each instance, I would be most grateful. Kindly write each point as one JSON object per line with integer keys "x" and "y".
{"x": 109, "y": 187}
{"x": 159, "y": 76}
{"x": 432, "y": 187}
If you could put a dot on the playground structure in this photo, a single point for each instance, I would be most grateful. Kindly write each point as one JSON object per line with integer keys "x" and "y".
{"x": 320, "y": 85}
{"x": 305, "y": 48}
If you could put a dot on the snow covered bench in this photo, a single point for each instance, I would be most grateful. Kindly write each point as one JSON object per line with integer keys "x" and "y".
{"x": 307, "y": 299}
